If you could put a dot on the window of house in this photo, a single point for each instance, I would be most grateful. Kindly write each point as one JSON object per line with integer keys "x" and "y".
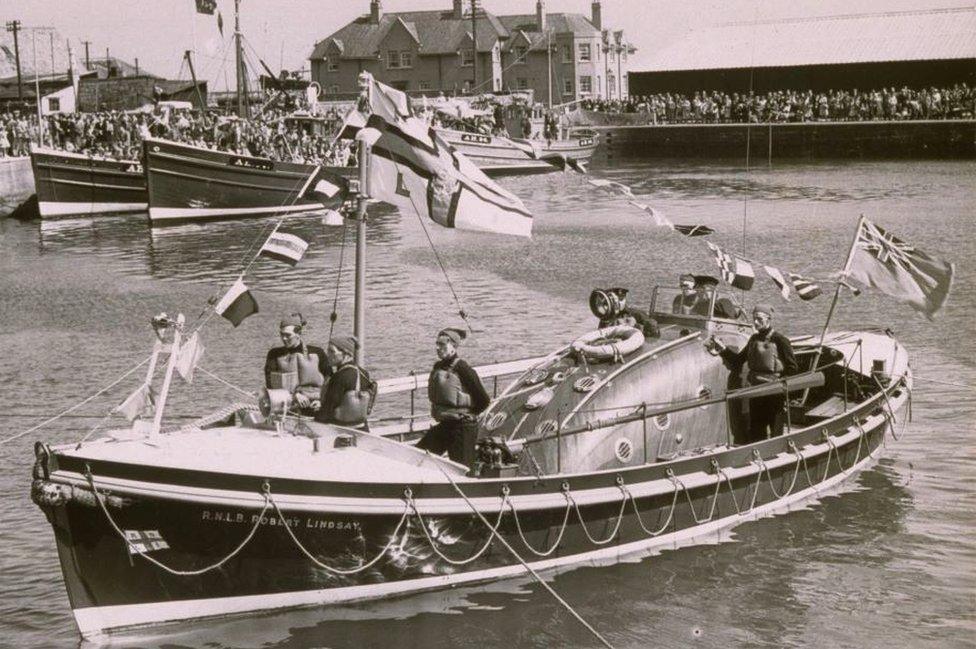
{"x": 586, "y": 84}
{"x": 521, "y": 54}
{"x": 567, "y": 86}
{"x": 54, "y": 104}
{"x": 521, "y": 83}
{"x": 584, "y": 52}
{"x": 425, "y": 85}
{"x": 392, "y": 59}
{"x": 467, "y": 58}
{"x": 406, "y": 59}
{"x": 333, "y": 64}
{"x": 568, "y": 53}
{"x": 333, "y": 89}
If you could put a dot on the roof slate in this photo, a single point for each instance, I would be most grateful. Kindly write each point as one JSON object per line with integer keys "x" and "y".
{"x": 438, "y": 32}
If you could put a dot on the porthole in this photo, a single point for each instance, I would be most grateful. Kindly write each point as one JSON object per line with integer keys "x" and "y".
{"x": 663, "y": 421}
{"x": 704, "y": 393}
{"x": 546, "y": 427}
{"x": 623, "y": 449}
{"x": 495, "y": 421}
{"x": 535, "y": 376}
{"x": 585, "y": 383}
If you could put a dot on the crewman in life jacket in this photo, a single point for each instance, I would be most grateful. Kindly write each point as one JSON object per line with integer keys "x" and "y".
{"x": 295, "y": 366}
{"x": 457, "y": 397}
{"x": 768, "y": 355}
{"x": 348, "y": 397}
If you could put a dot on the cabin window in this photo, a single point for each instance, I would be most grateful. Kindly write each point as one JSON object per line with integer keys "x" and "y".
{"x": 54, "y": 104}
{"x": 467, "y": 58}
{"x": 586, "y": 85}
{"x": 521, "y": 54}
{"x": 585, "y": 54}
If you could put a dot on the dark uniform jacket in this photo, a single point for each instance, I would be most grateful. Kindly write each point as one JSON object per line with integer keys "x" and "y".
{"x": 784, "y": 350}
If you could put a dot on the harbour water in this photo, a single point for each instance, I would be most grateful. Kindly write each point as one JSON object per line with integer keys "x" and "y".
{"x": 889, "y": 561}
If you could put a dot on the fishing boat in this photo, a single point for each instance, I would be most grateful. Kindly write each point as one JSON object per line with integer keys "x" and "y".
{"x": 191, "y": 183}
{"x": 499, "y": 155}
{"x": 71, "y": 184}
{"x": 620, "y": 441}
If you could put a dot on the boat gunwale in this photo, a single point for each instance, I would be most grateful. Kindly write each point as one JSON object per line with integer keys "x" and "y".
{"x": 530, "y": 489}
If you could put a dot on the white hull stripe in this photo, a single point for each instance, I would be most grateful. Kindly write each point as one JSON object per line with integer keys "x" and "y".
{"x": 187, "y": 213}
{"x": 95, "y": 621}
{"x": 58, "y": 208}
{"x": 448, "y": 506}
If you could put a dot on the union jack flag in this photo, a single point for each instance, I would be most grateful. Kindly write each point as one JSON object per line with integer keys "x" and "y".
{"x": 882, "y": 261}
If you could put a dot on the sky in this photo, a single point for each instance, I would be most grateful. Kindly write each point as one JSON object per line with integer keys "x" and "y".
{"x": 283, "y": 32}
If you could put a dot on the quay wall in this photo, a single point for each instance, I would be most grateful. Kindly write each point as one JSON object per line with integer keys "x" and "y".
{"x": 928, "y": 139}
{"x": 16, "y": 182}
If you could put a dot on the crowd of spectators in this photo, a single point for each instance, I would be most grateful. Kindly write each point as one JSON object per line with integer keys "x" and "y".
{"x": 713, "y": 107}
{"x": 119, "y": 134}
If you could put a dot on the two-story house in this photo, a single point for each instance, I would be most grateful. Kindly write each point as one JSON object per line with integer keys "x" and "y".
{"x": 561, "y": 57}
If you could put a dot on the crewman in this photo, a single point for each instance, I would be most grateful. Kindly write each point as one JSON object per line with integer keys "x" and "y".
{"x": 348, "y": 396}
{"x": 690, "y": 302}
{"x": 295, "y": 366}
{"x": 768, "y": 355}
{"x": 457, "y": 397}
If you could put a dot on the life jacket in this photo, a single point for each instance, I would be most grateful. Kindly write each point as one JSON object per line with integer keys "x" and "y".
{"x": 298, "y": 372}
{"x": 764, "y": 361}
{"x": 448, "y": 400}
{"x": 356, "y": 404}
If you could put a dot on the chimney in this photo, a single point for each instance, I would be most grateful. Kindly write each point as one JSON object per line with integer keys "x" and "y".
{"x": 596, "y": 13}
{"x": 540, "y": 15}
{"x": 374, "y": 12}
{"x": 458, "y": 12}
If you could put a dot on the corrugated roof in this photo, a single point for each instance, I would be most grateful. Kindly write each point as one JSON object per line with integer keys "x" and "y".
{"x": 857, "y": 38}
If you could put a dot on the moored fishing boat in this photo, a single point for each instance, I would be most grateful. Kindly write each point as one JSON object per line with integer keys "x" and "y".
{"x": 497, "y": 155}
{"x": 190, "y": 183}
{"x": 71, "y": 184}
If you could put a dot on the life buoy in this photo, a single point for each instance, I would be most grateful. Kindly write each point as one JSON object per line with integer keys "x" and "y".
{"x": 609, "y": 343}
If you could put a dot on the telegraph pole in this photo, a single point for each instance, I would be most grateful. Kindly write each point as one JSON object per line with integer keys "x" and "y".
{"x": 14, "y": 26}
{"x": 87, "y": 58}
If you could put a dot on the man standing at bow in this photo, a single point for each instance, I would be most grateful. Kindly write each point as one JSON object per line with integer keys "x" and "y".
{"x": 295, "y": 366}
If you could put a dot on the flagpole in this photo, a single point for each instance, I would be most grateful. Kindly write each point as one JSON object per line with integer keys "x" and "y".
{"x": 359, "y": 326}
{"x": 833, "y": 302}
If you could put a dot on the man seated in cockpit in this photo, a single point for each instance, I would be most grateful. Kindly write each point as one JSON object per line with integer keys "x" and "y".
{"x": 725, "y": 306}
{"x": 300, "y": 368}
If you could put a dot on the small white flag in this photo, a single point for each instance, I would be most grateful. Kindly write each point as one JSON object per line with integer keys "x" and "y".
{"x": 189, "y": 357}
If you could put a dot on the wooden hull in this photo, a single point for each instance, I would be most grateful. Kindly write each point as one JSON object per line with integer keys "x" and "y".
{"x": 374, "y": 531}
{"x": 69, "y": 184}
{"x": 498, "y": 157}
{"x": 188, "y": 183}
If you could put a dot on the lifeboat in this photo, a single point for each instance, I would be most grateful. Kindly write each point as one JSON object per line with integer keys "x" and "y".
{"x": 244, "y": 511}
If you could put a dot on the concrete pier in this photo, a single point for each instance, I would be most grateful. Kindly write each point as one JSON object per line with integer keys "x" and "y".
{"x": 930, "y": 139}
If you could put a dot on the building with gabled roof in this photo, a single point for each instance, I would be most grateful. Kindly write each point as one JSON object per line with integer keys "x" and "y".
{"x": 561, "y": 57}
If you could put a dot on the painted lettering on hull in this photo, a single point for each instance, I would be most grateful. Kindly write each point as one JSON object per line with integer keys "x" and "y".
{"x": 310, "y": 523}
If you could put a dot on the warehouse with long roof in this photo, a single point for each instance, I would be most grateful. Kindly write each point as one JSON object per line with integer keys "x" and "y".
{"x": 935, "y": 47}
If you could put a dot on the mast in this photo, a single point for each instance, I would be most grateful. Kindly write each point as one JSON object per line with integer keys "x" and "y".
{"x": 196, "y": 86}
{"x": 474, "y": 43}
{"x": 549, "y": 66}
{"x": 359, "y": 318}
{"x": 242, "y": 107}
{"x": 37, "y": 89}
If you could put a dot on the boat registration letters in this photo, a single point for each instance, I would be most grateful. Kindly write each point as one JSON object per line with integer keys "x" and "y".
{"x": 251, "y": 163}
